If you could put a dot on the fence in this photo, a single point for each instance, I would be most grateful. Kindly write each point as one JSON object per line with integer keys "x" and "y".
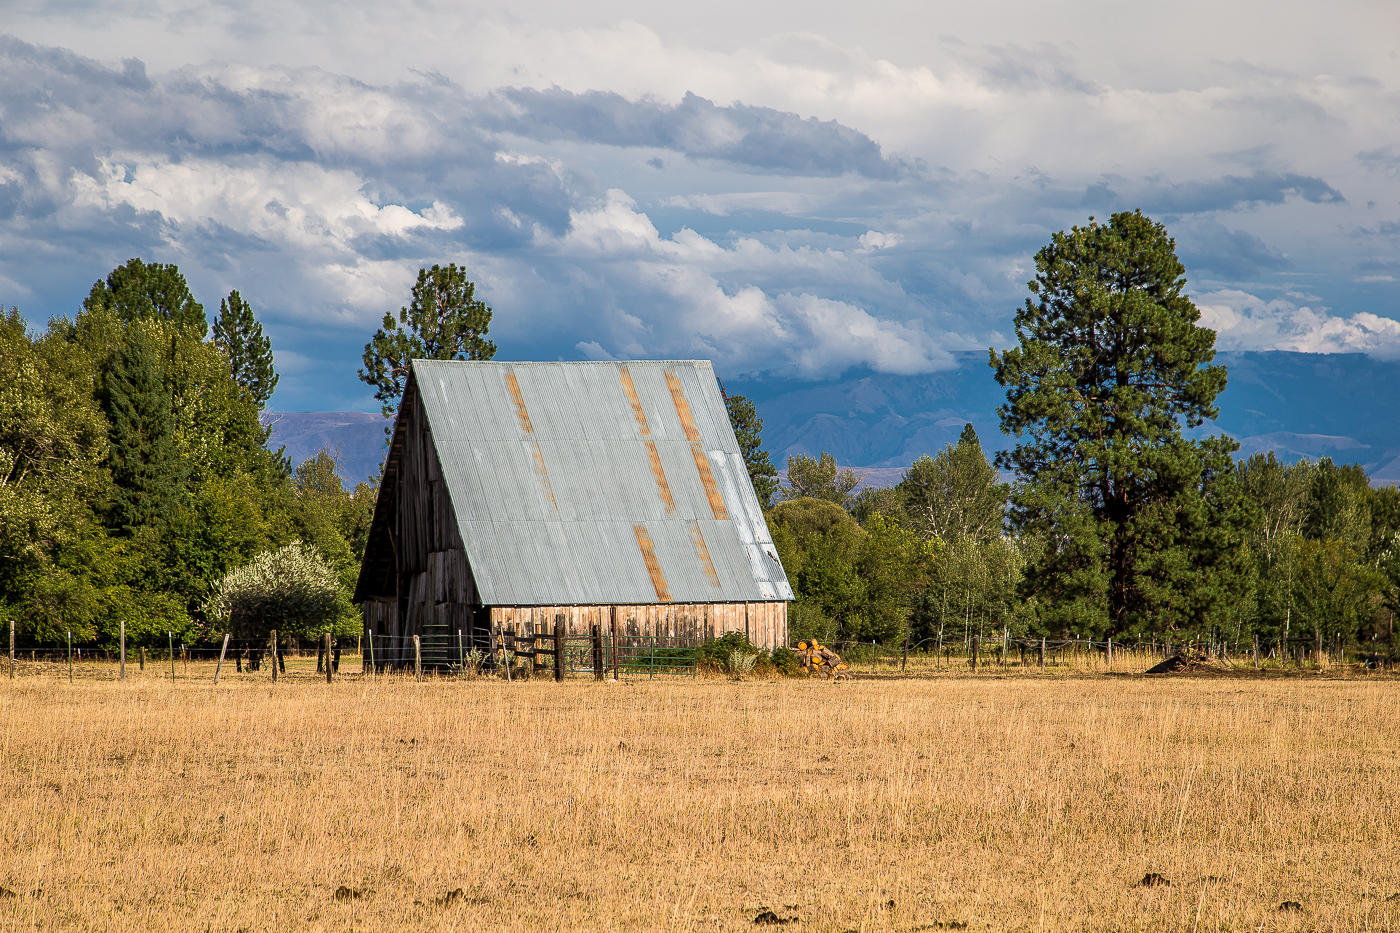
{"x": 1005, "y": 652}
{"x": 510, "y": 654}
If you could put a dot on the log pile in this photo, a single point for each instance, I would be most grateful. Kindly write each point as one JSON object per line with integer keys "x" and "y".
{"x": 823, "y": 662}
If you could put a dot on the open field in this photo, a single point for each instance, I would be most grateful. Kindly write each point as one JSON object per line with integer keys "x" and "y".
{"x": 1025, "y": 802}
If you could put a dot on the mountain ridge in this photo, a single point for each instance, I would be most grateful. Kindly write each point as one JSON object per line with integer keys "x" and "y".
{"x": 1296, "y": 404}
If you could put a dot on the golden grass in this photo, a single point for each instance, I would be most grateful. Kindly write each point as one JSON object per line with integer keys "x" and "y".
{"x": 1024, "y": 803}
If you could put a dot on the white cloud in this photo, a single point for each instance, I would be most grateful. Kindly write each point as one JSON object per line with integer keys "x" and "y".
{"x": 301, "y": 204}
{"x": 1246, "y": 322}
{"x": 322, "y": 184}
{"x": 690, "y": 296}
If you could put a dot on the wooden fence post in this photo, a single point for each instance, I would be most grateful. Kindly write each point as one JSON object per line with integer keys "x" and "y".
{"x": 558, "y": 647}
{"x": 1256, "y": 652}
{"x": 218, "y": 668}
{"x": 597, "y": 652}
{"x": 123, "y": 662}
{"x": 274, "y": 655}
{"x": 976, "y": 643}
{"x": 904, "y": 657}
{"x": 70, "y": 660}
{"x": 508, "y": 650}
{"x": 328, "y": 657}
{"x": 1042, "y": 654}
{"x": 143, "y": 659}
{"x": 12, "y": 649}
{"x": 417, "y": 658}
{"x": 1110, "y": 654}
{"x": 616, "y": 665}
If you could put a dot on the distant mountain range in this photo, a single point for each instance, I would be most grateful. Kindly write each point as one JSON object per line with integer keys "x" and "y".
{"x": 356, "y": 438}
{"x": 1342, "y": 406}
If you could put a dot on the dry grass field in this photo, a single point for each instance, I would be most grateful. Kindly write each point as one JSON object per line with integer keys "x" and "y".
{"x": 1027, "y": 802}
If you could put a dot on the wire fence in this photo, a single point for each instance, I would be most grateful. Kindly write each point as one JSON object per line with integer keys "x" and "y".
{"x": 1006, "y": 652}
{"x": 522, "y": 655}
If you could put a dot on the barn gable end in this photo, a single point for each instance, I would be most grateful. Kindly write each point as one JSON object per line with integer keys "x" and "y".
{"x": 528, "y": 485}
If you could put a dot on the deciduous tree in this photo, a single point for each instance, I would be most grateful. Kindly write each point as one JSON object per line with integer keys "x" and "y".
{"x": 820, "y": 478}
{"x": 956, "y": 493}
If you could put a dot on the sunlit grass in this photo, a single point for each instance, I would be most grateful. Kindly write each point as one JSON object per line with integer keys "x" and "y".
{"x": 1021, "y": 802}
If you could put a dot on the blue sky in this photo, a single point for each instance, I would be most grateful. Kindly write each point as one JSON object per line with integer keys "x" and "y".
{"x": 801, "y": 188}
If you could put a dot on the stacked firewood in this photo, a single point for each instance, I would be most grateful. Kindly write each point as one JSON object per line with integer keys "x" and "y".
{"x": 822, "y": 661}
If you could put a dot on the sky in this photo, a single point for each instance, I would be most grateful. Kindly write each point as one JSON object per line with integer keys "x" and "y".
{"x": 806, "y": 189}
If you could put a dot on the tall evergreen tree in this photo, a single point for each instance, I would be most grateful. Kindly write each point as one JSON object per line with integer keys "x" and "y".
{"x": 146, "y": 469}
{"x": 748, "y": 429}
{"x": 140, "y": 290}
{"x": 1141, "y": 525}
{"x": 240, "y": 337}
{"x": 443, "y": 321}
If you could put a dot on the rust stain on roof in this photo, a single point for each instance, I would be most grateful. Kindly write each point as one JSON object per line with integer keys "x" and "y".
{"x": 707, "y": 479}
{"x": 636, "y": 403}
{"x": 520, "y": 412}
{"x": 658, "y": 579}
{"x": 682, "y": 407}
{"x": 697, "y": 537}
{"x": 662, "y": 486}
{"x": 544, "y": 477}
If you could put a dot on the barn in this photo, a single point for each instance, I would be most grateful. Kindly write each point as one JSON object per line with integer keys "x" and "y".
{"x": 612, "y": 493}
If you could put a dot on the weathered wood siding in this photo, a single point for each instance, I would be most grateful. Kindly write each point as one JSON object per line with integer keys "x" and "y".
{"x": 765, "y": 623}
{"x": 425, "y": 522}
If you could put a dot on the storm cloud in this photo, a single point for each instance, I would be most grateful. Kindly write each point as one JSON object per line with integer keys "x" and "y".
{"x": 776, "y": 201}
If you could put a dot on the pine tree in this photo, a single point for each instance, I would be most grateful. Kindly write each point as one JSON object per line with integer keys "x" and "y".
{"x": 1141, "y": 526}
{"x": 443, "y": 321}
{"x": 146, "y": 472}
{"x": 239, "y": 335}
{"x": 139, "y": 291}
{"x": 748, "y": 429}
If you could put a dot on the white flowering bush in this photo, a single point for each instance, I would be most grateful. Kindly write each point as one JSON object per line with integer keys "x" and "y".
{"x": 290, "y": 589}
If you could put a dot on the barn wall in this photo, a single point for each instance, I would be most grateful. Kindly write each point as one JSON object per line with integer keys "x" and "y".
{"x": 425, "y": 521}
{"x": 765, "y": 623}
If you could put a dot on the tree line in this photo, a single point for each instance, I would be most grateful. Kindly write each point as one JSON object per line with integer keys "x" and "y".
{"x": 1120, "y": 521}
{"x": 137, "y": 488}
{"x": 134, "y": 471}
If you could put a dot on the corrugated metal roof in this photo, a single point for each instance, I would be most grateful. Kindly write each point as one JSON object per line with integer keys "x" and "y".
{"x": 598, "y": 483}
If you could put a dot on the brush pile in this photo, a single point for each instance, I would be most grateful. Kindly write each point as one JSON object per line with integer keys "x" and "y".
{"x": 823, "y": 662}
{"x": 1185, "y": 661}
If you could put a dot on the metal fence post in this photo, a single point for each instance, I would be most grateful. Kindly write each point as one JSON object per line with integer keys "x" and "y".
{"x": 12, "y": 649}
